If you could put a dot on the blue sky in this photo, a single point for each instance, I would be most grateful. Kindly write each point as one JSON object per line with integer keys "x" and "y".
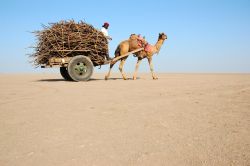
{"x": 203, "y": 35}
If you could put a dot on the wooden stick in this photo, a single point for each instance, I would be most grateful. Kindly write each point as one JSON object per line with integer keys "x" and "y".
{"x": 125, "y": 55}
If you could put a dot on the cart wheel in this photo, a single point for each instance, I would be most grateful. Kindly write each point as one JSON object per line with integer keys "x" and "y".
{"x": 65, "y": 74}
{"x": 80, "y": 68}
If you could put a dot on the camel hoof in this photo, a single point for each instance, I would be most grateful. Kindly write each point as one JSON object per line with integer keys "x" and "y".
{"x": 106, "y": 77}
{"x": 155, "y": 78}
{"x": 125, "y": 79}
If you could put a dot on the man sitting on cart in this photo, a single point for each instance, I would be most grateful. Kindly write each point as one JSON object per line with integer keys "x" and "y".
{"x": 104, "y": 30}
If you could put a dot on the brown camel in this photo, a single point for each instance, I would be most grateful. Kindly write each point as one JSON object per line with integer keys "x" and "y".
{"x": 132, "y": 44}
{"x": 149, "y": 55}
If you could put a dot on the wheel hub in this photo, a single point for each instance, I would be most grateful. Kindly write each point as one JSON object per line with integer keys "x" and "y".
{"x": 80, "y": 68}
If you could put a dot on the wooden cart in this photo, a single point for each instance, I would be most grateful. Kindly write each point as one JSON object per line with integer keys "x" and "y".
{"x": 80, "y": 67}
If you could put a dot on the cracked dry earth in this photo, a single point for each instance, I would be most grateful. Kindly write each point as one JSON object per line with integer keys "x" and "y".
{"x": 180, "y": 119}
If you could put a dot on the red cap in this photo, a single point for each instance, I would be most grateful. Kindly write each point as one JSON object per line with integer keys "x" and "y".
{"x": 106, "y": 24}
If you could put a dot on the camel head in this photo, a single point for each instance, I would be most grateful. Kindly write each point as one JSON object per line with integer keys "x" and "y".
{"x": 162, "y": 36}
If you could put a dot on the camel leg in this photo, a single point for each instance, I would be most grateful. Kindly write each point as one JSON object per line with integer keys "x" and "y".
{"x": 121, "y": 68}
{"x": 152, "y": 68}
{"x": 107, "y": 76}
{"x": 136, "y": 68}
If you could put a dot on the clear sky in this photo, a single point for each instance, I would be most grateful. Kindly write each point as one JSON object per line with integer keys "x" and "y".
{"x": 203, "y": 35}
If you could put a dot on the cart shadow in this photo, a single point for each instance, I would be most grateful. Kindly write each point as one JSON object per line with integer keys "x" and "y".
{"x": 51, "y": 80}
{"x": 92, "y": 79}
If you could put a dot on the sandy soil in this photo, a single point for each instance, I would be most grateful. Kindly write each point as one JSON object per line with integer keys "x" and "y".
{"x": 180, "y": 119}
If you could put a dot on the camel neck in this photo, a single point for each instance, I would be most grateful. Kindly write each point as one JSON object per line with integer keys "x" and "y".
{"x": 158, "y": 44}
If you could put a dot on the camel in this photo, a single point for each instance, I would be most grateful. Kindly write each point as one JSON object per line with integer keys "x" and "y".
{"x": 132, "y": 44}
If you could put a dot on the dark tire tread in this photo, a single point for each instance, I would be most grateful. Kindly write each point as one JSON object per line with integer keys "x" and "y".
{"x": 65, "y": 74}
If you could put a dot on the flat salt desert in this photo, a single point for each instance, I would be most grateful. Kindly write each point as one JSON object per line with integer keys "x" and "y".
{"x": 180, "y": 119}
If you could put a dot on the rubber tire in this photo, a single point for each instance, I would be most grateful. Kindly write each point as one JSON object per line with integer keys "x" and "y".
{"x": 65, "y": 74}
{"x": 80, "y": 59}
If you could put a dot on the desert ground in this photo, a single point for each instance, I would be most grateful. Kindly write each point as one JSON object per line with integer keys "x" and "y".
{"x": 180, "y": 119}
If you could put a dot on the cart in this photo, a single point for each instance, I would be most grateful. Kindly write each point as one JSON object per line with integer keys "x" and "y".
{"x": 81, "y": 66}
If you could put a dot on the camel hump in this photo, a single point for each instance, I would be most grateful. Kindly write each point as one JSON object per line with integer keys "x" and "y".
{"x": 133, "y": 37}
{"x": 138, "y": 39}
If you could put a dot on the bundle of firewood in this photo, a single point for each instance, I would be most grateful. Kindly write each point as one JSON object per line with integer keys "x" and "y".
{"x": 68, "y": 39}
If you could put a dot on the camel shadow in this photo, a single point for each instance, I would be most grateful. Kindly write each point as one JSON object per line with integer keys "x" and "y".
{"x": 118, "y": 79}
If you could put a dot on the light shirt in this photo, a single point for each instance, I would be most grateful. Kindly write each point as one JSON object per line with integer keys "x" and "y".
{"x": 105, "y": 31}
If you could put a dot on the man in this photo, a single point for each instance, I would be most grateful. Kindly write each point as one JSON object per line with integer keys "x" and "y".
{"x": 104, "y": 30}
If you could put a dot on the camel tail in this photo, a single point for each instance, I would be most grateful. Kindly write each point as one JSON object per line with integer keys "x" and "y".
{"x": 117, "y": 51}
